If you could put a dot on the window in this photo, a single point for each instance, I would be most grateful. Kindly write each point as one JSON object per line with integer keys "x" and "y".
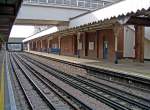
{"x": 30, "y": 1}
{"x": 42, "y": 1}
{"x": 94, "y": 5}
{"x": 81, "y": 4}
{"x": 73, "y": 2}
{"x": 87, "y": 4}
{"x": 51, "y": 1}
{"x": 91, "y": 4}
{"x": 87, "y": 0}
{"x": 59, "y": 1}
{"x": 66, "y": 2}
{"x": 34, "y": 1}
{"x": 100, "y": 4}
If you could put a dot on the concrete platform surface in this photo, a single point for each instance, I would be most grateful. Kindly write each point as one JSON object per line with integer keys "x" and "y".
{"x": 1, "y": 80}
{"x": 1, "y": 60}
{"x": 7, "y": 101}
{"x": 125, "y": 66}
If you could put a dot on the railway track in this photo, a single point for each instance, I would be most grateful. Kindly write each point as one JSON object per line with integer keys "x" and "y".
{"x": 115, "y": 100}
{"x": 58, "y": 98}
{"x": 35, "y": 99}
{"x": 114, "y": 77}
{"x": 20, "y": 96}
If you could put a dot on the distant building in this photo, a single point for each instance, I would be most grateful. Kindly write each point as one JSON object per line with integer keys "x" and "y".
{"x": 13, "y": 39}
{"x": 14, "y": 44}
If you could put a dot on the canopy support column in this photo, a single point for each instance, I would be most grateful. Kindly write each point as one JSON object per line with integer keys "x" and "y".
{"x": 139, "y": 43}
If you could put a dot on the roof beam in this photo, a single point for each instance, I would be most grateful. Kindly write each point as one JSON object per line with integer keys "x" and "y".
{"x": 7, "y": 10}
{"x": 4, "y": 25}
{"x": 139, "y": 21}
{"x": 4, "y": 29}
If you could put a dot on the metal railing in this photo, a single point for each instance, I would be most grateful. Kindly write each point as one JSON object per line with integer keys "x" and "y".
{"x": 88, "y": 4}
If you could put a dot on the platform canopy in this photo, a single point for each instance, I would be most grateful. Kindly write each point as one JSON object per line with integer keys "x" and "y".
{"x": 125, "y": 12}
{"x": 8, "y": 12}
{"x": 135, "y": 11}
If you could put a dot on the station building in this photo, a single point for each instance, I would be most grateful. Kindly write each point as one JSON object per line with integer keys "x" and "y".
{"x": 115, "y": 32}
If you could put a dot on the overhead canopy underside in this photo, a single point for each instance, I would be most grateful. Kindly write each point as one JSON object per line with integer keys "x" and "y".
{"x": 8, "y": 13}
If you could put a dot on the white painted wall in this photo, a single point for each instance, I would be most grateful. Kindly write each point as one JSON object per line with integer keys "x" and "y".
{"x": 129, "y": 42}
{"x": 147, "y": 33}
{"x": 147, "y": 43}
{"x": 147, "y": 49}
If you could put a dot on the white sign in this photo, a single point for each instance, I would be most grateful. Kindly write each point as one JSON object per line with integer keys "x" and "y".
{"x": 79, "y": 46}
{"x": 91, "y": 45}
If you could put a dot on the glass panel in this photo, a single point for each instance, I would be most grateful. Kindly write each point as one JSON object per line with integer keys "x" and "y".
{"x": 81, "y": 0}
{"x": 42, "y": 1}
{"x": 94, "y": 5}
{"x": 67, "y": 2}
{"x": 87, "y": 5}
{"x": 59, "y": 1}
{"x": 74, "y": 2}
{"x": 100, "y": 5}
{"x": 51, "y": 1}
{"x": 80, "y": 4}
{"x": 33, "y": 1}
{"x": 87, "y": 0}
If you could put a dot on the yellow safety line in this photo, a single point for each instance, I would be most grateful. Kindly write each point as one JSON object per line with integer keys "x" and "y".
{"x": 2, "y": 89}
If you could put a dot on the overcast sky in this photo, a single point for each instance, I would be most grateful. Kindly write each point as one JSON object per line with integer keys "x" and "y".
{"x": 22, "y": 31}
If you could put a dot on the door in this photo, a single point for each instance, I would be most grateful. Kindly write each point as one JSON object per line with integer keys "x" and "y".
{"x": 105, "y": 48}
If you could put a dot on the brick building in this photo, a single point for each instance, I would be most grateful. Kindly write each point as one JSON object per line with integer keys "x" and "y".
{"x": 100, "y": 35}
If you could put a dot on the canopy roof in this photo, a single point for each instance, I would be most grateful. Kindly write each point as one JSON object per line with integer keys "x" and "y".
{"x": 123, "y": 8}
{"x": 131, "y": 12}
{"x": 43, "y": 33}
{"x": 8, "y": 13}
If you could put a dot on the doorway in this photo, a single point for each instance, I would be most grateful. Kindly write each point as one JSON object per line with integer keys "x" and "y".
{"x": 105, "y": 48}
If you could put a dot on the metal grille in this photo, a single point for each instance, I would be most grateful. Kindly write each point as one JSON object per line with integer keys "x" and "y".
{"x": 88, "y": 4}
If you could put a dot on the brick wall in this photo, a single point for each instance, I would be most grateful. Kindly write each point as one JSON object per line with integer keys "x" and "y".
{"x": 107, "y": 34}
{"x": 67, "y": 45}
{"x": 91, "y": 45}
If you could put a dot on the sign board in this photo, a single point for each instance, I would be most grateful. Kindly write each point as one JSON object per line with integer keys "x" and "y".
{"x": 79, "y": 46}
{"x": 91, "y": 45}
{"x": 54, "y": 45}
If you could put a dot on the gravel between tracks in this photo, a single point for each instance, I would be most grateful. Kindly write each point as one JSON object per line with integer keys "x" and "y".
{"x": 93, "y": 103}
{"x": 79, "y": 71}
{"x": 21, "y": 103}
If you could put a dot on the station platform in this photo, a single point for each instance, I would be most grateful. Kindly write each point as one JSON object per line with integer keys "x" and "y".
{"x": 7, "y": 101}
{"x": 1, "y": 80}
{"x": 125, "y": 66}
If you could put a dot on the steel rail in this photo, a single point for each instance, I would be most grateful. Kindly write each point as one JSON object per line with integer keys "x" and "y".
{"x": 42, "y": 95}
{"x": 118, "y": 96}
{"x": 98, "y": 72}
{"x": 115, "y": 89}
{"x": 31, "y": 107}
{"x": 44, "y": 79}
{"x": 99, "y": 97}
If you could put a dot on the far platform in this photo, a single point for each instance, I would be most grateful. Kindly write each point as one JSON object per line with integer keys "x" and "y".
{"x": 125, "y": 66}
